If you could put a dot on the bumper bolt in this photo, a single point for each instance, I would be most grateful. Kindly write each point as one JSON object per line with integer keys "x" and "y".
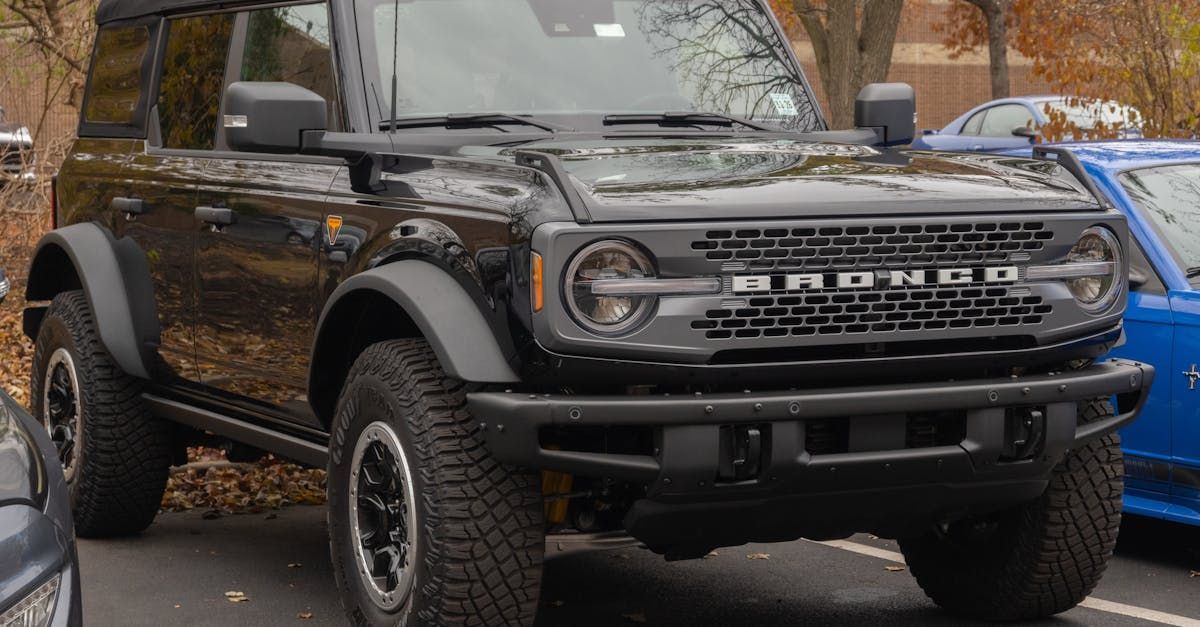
{"x": 758, "y": 407}
{"x": 993, "y": 396}
{"x": 1025, "y": 391}
{"x": 794, "y": 408}
{"x": 1062, "y": 388}
{"x": 708, "y": 409}
{"x": 575, "y": 413}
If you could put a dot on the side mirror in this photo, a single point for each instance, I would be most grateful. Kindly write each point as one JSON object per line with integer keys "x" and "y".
{"x": 3, "y": 286}
{"x": 1137, "y": 278}
{"x": 271, "y": 117}
{"x": 1026, "y": 132}
{"x": 890, "y": 109}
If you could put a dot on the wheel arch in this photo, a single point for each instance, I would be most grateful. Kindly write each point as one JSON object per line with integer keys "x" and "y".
{"x": 402, "y": 299}
{"x": 115, "y": 278}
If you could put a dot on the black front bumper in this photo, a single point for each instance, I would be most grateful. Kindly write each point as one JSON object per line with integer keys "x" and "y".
{"x": 796, "y": 492}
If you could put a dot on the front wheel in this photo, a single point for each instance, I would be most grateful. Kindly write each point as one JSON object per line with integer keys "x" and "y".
{"x": 426, "y": 528}
{"x": 1036, "y": 559}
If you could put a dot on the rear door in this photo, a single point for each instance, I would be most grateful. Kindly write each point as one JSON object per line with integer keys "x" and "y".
{"x": 160, "y": 180}
{"x": 257, "y": 276}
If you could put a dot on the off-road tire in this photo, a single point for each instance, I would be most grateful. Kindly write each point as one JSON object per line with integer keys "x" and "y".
{"x": 122, "y": 466}
{"x": 1045, "y": 556}
{"x": 479, "y": 530}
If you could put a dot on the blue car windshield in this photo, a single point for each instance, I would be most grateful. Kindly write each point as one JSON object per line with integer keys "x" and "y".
{"x": 1170, "y": 197}
{"x": 581, "y": 58}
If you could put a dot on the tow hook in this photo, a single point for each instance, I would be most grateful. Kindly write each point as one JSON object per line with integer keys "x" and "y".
{"x": 740, "y": 453}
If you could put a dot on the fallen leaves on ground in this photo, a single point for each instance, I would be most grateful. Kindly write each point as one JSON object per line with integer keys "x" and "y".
{"x": 304, "y": 615}
{"x": 893, "y": 569}
{"x": 236, "y": 596}
{"x": 208, "y": 482}
{"x": 16, "y": 351}
{"x": 759, "y": 556}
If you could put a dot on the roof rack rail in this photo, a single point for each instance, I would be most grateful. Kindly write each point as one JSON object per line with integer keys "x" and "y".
{"x": 1069, "y": 162}
{"x": 552, "y": 166}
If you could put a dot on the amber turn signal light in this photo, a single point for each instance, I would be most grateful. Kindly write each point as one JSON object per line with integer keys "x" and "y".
{"x": 535, "y": 283}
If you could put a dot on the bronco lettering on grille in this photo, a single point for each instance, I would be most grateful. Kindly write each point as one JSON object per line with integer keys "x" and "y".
{"x": 872, "y": 279}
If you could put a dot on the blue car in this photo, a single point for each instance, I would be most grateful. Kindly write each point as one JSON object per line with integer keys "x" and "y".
{"x": 1011, "y": 123}
{"x": 1156, "y": 184}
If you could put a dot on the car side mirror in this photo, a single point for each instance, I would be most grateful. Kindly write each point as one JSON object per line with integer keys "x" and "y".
{"x": 1026, "y": 132}
{"x": 890, "y": 109}
{"x": 271, "y": 117}
{"x": 1137, "y": 278}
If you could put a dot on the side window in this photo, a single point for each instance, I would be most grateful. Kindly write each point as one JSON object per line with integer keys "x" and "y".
{"x": 973, "y": 125}
{"x": 1003, "y": 119}
{"x": 291, "y": 44}
{"x": 115, "y": 92}
{"x": 193, "y": 74}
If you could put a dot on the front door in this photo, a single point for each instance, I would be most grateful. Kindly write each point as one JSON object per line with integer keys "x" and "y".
{"x": 257, "y": 295}
{"x": 1185, "y": 390}
{"x": 1149, "y": 338}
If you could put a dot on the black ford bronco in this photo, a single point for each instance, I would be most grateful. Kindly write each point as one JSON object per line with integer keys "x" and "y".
{"x": 585, "y": 269}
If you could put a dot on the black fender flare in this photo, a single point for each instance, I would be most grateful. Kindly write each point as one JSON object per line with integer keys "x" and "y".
{"x": 442, "y": 310}
{"x": 114, "y": 276}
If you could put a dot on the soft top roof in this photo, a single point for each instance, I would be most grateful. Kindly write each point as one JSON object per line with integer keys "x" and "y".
{"x": 114, "y": 10}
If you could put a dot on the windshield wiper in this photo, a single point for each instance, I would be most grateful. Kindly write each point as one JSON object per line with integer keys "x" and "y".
{"x": 683, "y": 118}
{"x": 471, "y": 120}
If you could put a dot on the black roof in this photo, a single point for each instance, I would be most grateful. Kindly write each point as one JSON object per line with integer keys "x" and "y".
{"x": 113, "y": 10}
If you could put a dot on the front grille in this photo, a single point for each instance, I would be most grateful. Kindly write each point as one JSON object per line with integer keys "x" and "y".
{"x": 835, "y": 314}
{"x": 881, "y": 246}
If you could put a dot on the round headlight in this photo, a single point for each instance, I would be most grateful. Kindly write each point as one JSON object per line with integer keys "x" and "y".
{"x": 1096, "y": 245}
{"x": 606, "y": 315}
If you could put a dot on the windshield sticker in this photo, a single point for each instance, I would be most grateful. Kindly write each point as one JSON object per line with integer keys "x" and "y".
{"x": 784, "y": 104}
{"x": 609, "y": 30}
{"x": 561, "y": 28}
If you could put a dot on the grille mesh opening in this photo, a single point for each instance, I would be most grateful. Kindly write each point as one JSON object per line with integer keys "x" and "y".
{"x": 825, "y": 314}
{"x": 873, "y": 246}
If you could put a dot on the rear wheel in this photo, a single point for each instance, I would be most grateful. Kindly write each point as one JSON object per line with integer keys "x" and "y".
{"x": 1037, "y": 559}
{"x": 115, "y": 454}
{"x": 426, "y": 528}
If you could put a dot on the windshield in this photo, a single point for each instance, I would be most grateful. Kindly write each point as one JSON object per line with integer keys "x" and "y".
{"x": 1170, "y": 197}
{"x": 573, "y": 57}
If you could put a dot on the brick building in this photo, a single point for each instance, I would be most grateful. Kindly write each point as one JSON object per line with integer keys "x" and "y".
{"x": 945, "y": 87}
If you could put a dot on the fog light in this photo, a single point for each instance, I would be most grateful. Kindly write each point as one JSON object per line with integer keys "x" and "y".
{"x": 35, "y": 610}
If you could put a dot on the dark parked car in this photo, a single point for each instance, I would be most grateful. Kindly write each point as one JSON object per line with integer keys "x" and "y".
{"x": 580, "y": 268}
{"x": 39, "y": 576}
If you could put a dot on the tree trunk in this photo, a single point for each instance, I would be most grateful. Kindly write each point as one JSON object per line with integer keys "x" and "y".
{"x": 852, "y": 41}
{"x": 995, "y": 12}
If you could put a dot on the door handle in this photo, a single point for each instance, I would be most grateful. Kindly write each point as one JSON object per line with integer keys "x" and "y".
{"x": 216, "y": 216}
{"x": 129, "y": 206}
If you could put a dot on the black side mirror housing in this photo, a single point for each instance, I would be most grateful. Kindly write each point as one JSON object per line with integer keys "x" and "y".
{"x": 271, "y": 117}
{"x": 889, "y": 109}
{"x": 1025, "y": 131}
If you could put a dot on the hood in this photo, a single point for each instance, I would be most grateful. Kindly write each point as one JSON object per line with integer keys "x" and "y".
{"x": 665, "y": 179}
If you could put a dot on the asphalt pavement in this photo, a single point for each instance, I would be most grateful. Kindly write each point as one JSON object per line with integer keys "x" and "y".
{"x": 178, "y": 571}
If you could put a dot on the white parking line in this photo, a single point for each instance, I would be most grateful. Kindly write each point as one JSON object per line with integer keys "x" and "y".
{"x": 1092, "y": 603}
